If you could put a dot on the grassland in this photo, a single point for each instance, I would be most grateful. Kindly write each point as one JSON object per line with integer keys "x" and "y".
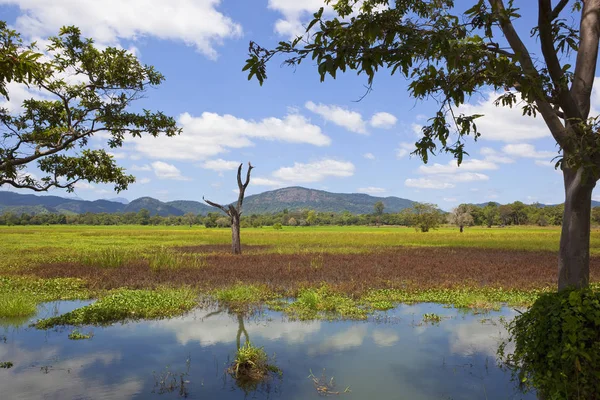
{"x": 327, "y": 271}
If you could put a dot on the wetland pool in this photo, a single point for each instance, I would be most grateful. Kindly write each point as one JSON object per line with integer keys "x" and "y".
{"x": 392, "y": 355}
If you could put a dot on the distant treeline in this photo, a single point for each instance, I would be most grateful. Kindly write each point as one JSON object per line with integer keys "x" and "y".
{"x": 516, "y": 213}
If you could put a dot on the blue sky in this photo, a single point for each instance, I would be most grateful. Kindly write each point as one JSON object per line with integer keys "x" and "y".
{"x": 295, "y": 130}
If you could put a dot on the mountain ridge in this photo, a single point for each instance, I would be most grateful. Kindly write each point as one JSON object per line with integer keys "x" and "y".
{"x": 293, "y": 198}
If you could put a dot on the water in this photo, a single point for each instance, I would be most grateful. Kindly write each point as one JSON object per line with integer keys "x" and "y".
{"x": 394, "y": 356}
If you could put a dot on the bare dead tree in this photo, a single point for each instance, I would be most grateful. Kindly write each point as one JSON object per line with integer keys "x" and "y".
{"x": 234, "y": 212}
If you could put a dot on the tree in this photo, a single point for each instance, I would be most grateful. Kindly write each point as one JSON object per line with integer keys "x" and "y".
{"x": 426, "y": 216}
{"x": 54, "y": 131}
{"x": 450, "y": 54}
{"x": 143, "y": 217}
{"x": 190, "y": 218}
{"x": 490, "y": 214}
{"x": 461, "y": 216}
{"x": 292, "y": 222}
{"x": 378, "y": 209}
{"x": 311, "y": 217}
{"x": 235, "y": 211}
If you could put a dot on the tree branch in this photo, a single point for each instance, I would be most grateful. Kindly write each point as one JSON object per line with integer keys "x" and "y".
{"x": 558, "y": 9}
{"x": 587, "y": 56}
{"x": 216, "y": 205}
{"x": 552, "y": 121}
{"x": 38, "y": 188}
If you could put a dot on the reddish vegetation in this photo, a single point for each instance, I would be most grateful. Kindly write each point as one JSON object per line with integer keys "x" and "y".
{"x": 351, "y": 273}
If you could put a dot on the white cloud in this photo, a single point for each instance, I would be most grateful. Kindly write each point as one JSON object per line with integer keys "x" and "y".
{"x": 371, "y": 190}
{"x": 18, "y": 93}
{"x": 315, "y": 171}
{"x": 351, "y": 120}
{"x": 162, "y": 170}
{"x": 404, "y": 149}
{"x": 144, "y": 181}
{"x": 467, "y": 177}
{"x": 294, "y": 13}
{"x": 450, "y": 199}
{"x": 83, "y": 185}
{"x": 527, "y": 151}
{"x": 117, "y": 155}
{"x": 452, "y": 167}
{"x": 196, "y": 23}
{"x": 424, "y": 183}
{"x": 385, "y": 338}
{"x": 504, "y": 123}
{"x": 220, "y": 165}
{"x": 369, "y": 156}
{"x": 494, "y": 156}
{"x": 265, "y": 182}
{"x": 383, "y": 120}
{"x": 142, "y": 168}
{"x": 212, "y": 134}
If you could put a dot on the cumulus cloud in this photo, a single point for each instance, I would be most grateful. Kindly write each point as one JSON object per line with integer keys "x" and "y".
{"x": 369, "y": 156}
{"x": 425, "y": 183}
{"x": 371, "y": 190}
{"x": 383, "y": 120}
{"x": 220, "y": 165}
{"x": 452, "y": 167}
{"x": 141, "y": 168}
{"x": 526, "y": 150}
{"x": 404, "y": 149}
{"x": 294, "y": 13}
{"x": 494, "y": 156}
{"x": 315, "y": 171}
{"x": 258, "y": 181}
{"x": 211, "y": 134}
{"x": 143, "y": 181}
{"x": 351, "y": 120}
{"x": 504, "y": 123}
{"x": 162, "y": 170}
{"x": 83, "y": 185}
{"x": 111, "y": 21}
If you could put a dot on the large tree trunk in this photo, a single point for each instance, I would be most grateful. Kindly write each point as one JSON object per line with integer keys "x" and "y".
{"x": 236, "y": 244}
{"x": 574, "y": 255}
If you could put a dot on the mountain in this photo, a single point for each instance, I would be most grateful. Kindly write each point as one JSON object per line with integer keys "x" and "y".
{"x": 299, "y": 198}
{"x": 153, "y": 206}
{"x": 195, "y": 207}
{"x": 121, "y": 200}
{"x": 32, "y": 204}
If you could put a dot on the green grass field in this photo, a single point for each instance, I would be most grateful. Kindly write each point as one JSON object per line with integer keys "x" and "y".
{"x": 26, "y": 245}
{"x": 347, "y": 271}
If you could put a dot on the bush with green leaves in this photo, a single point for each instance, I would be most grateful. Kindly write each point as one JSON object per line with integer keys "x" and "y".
{"x": 557, "y": 346}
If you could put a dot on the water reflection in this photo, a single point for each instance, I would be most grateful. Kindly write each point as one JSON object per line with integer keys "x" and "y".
{"x": 400, "y": 358}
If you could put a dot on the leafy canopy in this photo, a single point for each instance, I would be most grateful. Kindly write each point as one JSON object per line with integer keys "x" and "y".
{"x": 449, "y": 53}
{"x": 83, "y": 91}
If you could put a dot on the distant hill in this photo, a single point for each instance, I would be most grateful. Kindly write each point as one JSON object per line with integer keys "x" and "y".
{"x": 299, "y": 198}
{"x": 121, "y": 200}
{"x": 192, "y": 206}
{"x": 32, "y": 204}
{"x": 153, "y": 206}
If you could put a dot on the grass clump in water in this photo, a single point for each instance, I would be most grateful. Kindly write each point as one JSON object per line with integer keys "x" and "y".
{"x": 251, "y": 366}
{"x": 322, "y": 303}
{"x": 76, "y": 335}
{"x": 6, "y": 364}
{"x": 240, "y": 297}
{"x": 125, "y": 304}
{"x": 15, "y": 304}
{"x": 432, "y": 318}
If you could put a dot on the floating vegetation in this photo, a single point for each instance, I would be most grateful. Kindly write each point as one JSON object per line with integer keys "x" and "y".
{"x": 432, "y": 318}
{"x": 252, "y": 367}
{"x": 169, "y": 381}
{"x": 6, "y": 364}
{"x": 325, "y": 303}
{"x": 76, "y": 335}
{"x": 326, "y": 386}
{"x": 125, "y": 304}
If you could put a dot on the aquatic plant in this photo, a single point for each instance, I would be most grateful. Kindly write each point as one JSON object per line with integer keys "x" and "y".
{"x": 168, "y": 381}
{"x": 251, "y": 366}
{"x": 108, "y": 257}
{"x": 6, "y": 364}
{"x": 16, "y": 304}
{"x": 76, "y": 335}
{"x": 432, "y": 318}
{"x": 126, "y": 304}
{"x": 326, "y": 386}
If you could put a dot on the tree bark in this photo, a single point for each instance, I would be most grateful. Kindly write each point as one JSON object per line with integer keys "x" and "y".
{"x": 236, "y": 245}
{"x": 574, "y": 253}
{"x": 461, "y": 229}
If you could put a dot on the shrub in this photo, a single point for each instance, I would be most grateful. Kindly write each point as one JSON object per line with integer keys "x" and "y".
{"x": 277, "y": 226}
{"x": 557, "y": 346}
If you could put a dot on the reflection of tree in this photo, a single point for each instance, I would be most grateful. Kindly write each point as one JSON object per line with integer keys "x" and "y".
{"x": 241, "y": 326}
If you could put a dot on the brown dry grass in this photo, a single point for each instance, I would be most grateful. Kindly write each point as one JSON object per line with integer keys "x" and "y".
{"x": 420, "y": 268}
